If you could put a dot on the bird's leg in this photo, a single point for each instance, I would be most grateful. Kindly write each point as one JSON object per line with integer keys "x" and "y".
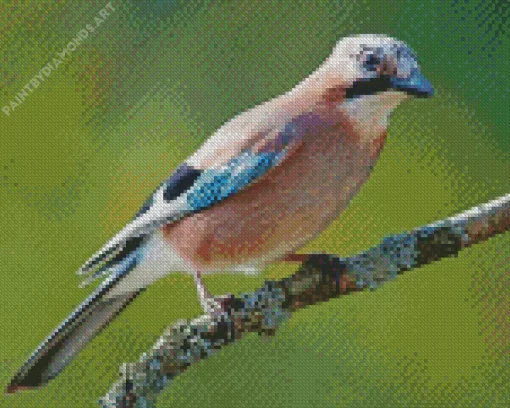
{"x": 207, "y": 301}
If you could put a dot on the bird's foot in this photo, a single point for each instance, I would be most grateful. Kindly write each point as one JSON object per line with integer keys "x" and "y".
{"x": 296, "y": 257}
{"x": 211, "y": 305}
{"x": 217, "y": 305}
{"x": 293, "y": 257}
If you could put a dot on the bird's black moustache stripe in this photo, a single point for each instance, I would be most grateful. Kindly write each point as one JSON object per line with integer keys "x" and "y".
{"x": 368, "y": 87}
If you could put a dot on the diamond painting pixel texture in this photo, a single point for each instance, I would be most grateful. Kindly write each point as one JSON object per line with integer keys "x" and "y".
{"x": 149, "y": 87}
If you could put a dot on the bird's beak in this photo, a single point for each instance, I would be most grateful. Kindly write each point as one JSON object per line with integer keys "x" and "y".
{"x": 416, "y": 84}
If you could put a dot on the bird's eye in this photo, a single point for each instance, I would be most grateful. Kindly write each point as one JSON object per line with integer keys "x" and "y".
{"x": 372, "y": 61}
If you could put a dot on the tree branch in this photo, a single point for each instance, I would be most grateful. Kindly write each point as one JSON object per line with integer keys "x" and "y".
{"x": 318, "y": 279}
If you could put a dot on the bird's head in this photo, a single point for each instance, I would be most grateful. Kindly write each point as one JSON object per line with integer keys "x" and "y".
{"x": 372, "y": 64}
{"x": 366, "y": 77}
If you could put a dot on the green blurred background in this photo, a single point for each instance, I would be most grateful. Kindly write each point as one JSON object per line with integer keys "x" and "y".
{"x": 143, "y": 91}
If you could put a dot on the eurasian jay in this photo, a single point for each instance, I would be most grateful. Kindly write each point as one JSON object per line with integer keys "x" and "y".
{"x": 263, "y": 185}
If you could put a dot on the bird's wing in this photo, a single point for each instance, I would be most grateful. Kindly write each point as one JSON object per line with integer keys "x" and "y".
{"x": 189, "y": 190}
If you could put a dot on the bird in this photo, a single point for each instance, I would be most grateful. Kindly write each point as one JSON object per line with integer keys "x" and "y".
{"x": 263, "y": 185}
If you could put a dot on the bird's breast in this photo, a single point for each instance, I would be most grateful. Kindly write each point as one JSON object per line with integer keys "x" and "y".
{"x": 283, "y": 210}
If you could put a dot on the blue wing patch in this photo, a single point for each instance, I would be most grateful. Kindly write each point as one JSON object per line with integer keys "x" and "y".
{"x": 214, "y": 185}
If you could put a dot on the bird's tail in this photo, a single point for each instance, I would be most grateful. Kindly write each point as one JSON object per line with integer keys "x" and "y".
{"x": 54, "y": 353}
